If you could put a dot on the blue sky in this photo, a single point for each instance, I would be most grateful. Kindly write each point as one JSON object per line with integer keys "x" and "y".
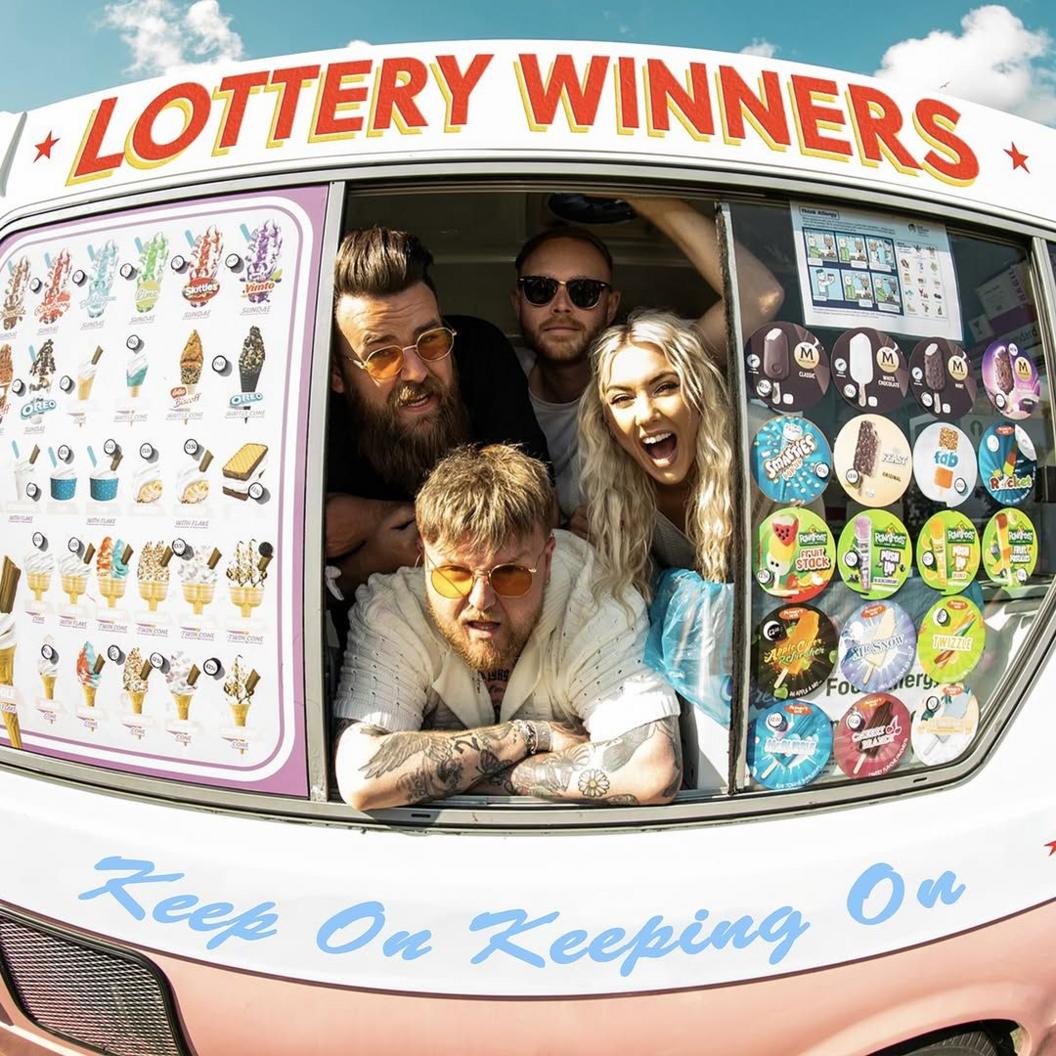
{"x": 1003, "y": 55}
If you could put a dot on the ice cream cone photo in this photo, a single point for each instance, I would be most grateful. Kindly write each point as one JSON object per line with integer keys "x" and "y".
{"x": 239, "y": 711}
{"x": 183, "y": 705}
{"x": 74, "y": 587}
{"x": 84, "y": 387}
{"x": 198, "y": 595}
{"x": 39, "y": 583}
{"x": 112, "y": 589}
{"x": 135, "y": 699}
{"x": 14, "y": 731}
{"x": 133, "y": 390}
{"x": 152, "y": 593}
{"x": 7, "y": 666}
{"x": 49, "y": 686}
{"x": 247, "y": 599}
{"x": 89, "y": 695}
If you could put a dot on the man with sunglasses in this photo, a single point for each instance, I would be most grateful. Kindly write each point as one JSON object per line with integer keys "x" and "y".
{"x": 408, "y": 385}
{"x": 496, "y": 667}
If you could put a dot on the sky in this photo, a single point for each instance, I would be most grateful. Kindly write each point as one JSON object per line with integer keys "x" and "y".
{"x": 1000, "y": 55}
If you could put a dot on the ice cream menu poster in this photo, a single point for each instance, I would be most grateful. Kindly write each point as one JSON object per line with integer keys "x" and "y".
{"x": 153, "y": 369}
{"x": 865, "y": 269}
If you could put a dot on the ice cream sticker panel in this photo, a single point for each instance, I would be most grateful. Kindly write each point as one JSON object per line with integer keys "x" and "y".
{"x": 154, "y": 368}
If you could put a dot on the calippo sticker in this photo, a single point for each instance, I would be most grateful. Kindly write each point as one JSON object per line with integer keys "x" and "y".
{"x": 872, "y": 460}
{"x": 1011, "y": 379}
{"x": 875, "y": 553}
{"x": 1010, "y": 547}
{"x": 869, "y": 370}
{"x": 789, "y": 745}
{"x": 794, "y": 651}
{"x": 872, "y": 736}
{"x": 944, "y": 464}
{"x": 795, "y": 554}
{"x": 791, "y": 460}
{"x": 951, "y": 639}
{"x": 877, "y": 646}
{"x": 944, "y": 724}
{"x": 1007, "y": 463}
{"x": 941, "y": 378}
{"x": 788, "y": 367}
{"x": 948, "y": 552}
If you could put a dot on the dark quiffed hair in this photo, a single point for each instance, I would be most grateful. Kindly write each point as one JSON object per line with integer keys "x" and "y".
{"x": 378, "y": 262}
{"x": 577, "y": 234}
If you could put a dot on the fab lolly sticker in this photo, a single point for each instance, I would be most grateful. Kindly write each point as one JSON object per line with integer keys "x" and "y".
{"x": 1011, "y": 379}
{"x": 948, "y": 552}
{"x": 787, "y": 366}
{"x": 789, "y": 745}
{"x": 1010, "y": 547}
{"x": 872, "y": 460}
{"x": 875, "y": 553}
{"x": 872, "y": 736}
{"x": 791, "y": 460}
{"x": 794, "y": 554}
{"x": 944, "y": 724}
{"x": 941, "y": 378}
{"x": 877, "y": 646}
{"x": 1007, "y": 463}
{"x": 793, "y": 652}
{"x": 951, "y": 639}
{"x": 944, "y": 464}
{"x": 869, "y": 370}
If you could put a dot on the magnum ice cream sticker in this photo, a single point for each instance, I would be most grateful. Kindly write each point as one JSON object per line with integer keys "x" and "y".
{"x": 951, "y": 639}
{"x": 948, "y": 552}
{"x": 788, "y": 367}
{"x": 262, "y": 263}
{"x": 13, "y": 309}
{"x": 794, "y": 554}
{"x": 944, "y": 724}
{"x": 202, "y": 284}
{"x": 791, "y": 460}
{"x": 872, "y": 460}
{"x": 869, "y": 370}
{"x": 1007, "y": 463}
{"x": 9, "y": 577}
{"x": 56, "y": 299}
{"x": 1011, "y": 379}
{"x": 1010, "y": 547}
{"x": 944, "y": 464}
{"x": 793, "y": 651}
{"x": 875, "y": 553}
{"x": 872, "y": 736}
{"x": 789, "y": 745}
{"x": 877, "y": 646}
{"x": 941, "y": 378}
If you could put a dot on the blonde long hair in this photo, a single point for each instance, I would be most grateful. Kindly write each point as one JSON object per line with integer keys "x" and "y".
{"x": 620, "y": 496}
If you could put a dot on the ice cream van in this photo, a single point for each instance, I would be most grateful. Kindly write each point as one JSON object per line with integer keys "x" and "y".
{"x": 873, "y": 871}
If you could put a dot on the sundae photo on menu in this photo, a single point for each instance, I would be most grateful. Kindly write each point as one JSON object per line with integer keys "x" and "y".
{"x": 14, "y": 306}
{"x": 104, "y": 268}
{"x": 103, "y": 481}
{"x": 181, "y": 677}
{"x": 238, "y": 688}
{"x": 9, "y": 578}
{"x": 262, "y": 263}
{"x": 202, "y": 284}
{"x": 198, "y": 577}
{"x": 134, "y": 675}
{"x": 152, "y": 573}
{"x": 153, "y": 256}
{"x": 7, "y": 374}
{"x": 246, "y": 573}
{"x": 42, "y": 370}
{"x": 89, "y": 669}
{"x": 56, "y": 297}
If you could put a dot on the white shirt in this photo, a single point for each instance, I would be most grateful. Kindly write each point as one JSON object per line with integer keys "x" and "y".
{"x": 583, "y": 660}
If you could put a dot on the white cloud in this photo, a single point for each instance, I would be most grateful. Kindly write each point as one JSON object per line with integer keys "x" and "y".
{"x": 358, "y": 44}
{"x": 166, "y": 37}
{"x": 763, "y": 48}
{"x": 995, "y": 60}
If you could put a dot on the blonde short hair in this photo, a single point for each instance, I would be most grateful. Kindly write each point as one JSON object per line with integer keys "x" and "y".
{"x": 481, "y": 498}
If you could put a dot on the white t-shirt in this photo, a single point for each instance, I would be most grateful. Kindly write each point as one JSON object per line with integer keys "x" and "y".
{"x": 583, "y": 660}
{"x": 559, "y": 423}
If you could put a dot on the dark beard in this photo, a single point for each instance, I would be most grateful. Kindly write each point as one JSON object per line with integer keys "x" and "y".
{"x": 401, "y": 456}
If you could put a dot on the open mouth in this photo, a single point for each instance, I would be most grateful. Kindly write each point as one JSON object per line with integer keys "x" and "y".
{"x": 417, "y": 403}
{"x": 660, "y": 448}
{"x": 482, "y": 628}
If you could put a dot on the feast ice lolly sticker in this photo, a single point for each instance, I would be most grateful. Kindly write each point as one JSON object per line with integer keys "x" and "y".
{"x": 944, "y": 724}
{"x": 1007, "y": 463}
{"x": 941, "y": 378}
{"x": 787, "y": 366}
{"x": 789, "y": 745}
{"x": 869, "y": 370}
{"x": 793, "y": 652}
{"x": 794, "y": 554}
{"x": 872, "y": 460}
{"x": 872, "y": 736}
{"x": 951, "y": 639}
{"x": 944, "y": 464}
{"x": 948, "y": 552}
{"x": 875, "y": 553}
{"x": 877, "y": 646}
{"x": 791, "y": 460}
{"x": 1010, "y": 547}
{"x": 1011, "y": 379}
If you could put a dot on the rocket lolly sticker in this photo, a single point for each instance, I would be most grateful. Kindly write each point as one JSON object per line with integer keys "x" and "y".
{"x": 944, "y": 464}
{"x": 787, "y": 366}
{"x": 877, "y": 646}
{"x": 104, "y": 268}
{"x": 793, "y": 652}
{"x": 14, "y": 306}
{"x": 56, "y": 297}
{"x": 202, "y": 284}
{"x": 872, "y": 460}
{"x": 1011, "y": 379}
{"x": 869, "y": 370}
{"x": 948, "y": 552}
{"x": 941, "y": 378}
{"x": 791, "y": 460}
{"x": 153, "y": 256}
{"x": 1007, "y": 463}
{"x": 789, "y": 745}
{"x": 944, "y": 724}
{"x": 262, "y": 260}
{"x": 951, "y": 639}
{"x": 872, "y": 736}
{"x": 875, "y": 553}
{"x": 1010, "y": 547}
{"x": 795, "y": 555}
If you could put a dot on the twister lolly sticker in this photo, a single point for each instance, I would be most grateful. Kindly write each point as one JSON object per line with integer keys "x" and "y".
{"x": 788, "y": 367}
{"x": 1010, "y": 547}
{"x": 789, "y": 745}
{"x": 793, "y": 651}
{"x": 791, "y": 460}
{"x": 951, "y": 639}
{"x": 794, "y": 554}
{"x": 877, "y": 646}
{"x": 1011, "y": 379}
{"x": 948, "y": 552}
{"x": 872, "y": 736}
{"x": 1007, "y": 463}
{"x": 944, "y": 464}
{"x": 944, "y": 724}
{"x": 875, "y": 553}
{"x": 869, "y": 370}
{"x": 941, "y": 378}
{"x": 872, "y": 460}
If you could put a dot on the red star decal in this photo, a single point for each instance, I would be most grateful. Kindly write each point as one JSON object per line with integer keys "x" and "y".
{"x": 1052, "y": 847}
{"x": 1019, "y": 160}
{"x": 44, "y": 147}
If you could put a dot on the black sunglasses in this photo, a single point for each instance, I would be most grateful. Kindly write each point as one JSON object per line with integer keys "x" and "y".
{"x": 541, "y": 289}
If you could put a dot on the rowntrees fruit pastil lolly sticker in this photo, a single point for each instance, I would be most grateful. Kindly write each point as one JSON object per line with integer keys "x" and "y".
{"x": 1010, "y": 547}
{"x": 875, "y": 553}
{"x": 794, "y": 554}
{"x": 948, "y": 552}
{"x": 793, "y": 651}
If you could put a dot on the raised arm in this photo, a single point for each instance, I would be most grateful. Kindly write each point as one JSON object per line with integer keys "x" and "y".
{"x": 367, "y": 536}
